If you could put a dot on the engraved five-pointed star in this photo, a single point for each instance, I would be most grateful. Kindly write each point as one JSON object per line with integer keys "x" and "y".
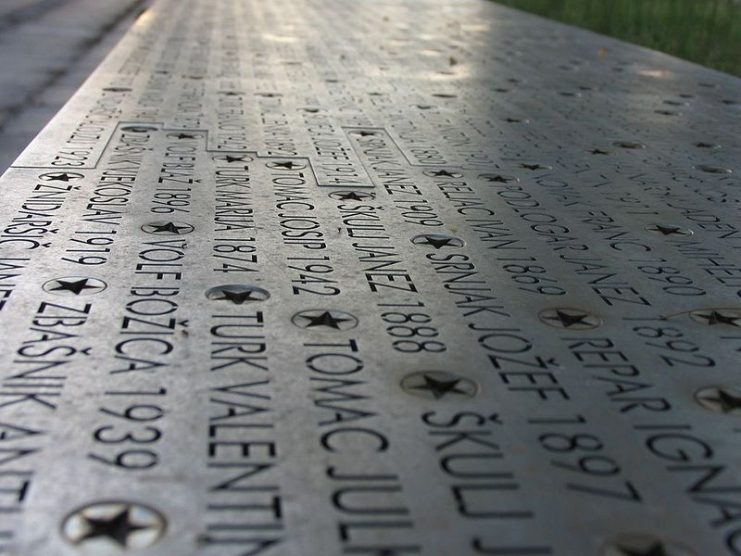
{"x": 62, "y": 176}
{"x": 324, "y": 319}
{"x": 568, "y": 320}
{"x": 440, "y": 388}
{"x": 184, "y": 136}
{"x": 444, "y": 174}
{"x": 498, "y": 178}
{"x": 533, "y": 167}
{"x": 169, "y": 227}
{"x": 239, "y": 297}
{"x": 438, "y": 242}
{"x": 727, "y": 401}
{"x": 117, "y": 528}
{"x": 352, "y": 196}
{"x": 287, "y": 165}
{"x": 364, "y": 133}
{"x": 716, "y": 317}
{"x": 75, "y": 287}
{"x": 599, "y": 151}
{"x": 668, "y": 230}
{"x": 656, "y": 549}
{"x": 230, "y": 159}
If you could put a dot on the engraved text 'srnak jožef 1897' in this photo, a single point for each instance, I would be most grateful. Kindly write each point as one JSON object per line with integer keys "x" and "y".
{"x": 374, "y": 278}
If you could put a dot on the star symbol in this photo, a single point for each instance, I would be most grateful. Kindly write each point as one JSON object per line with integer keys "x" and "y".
{"x": 183, "y": 135}
{"x": 238, "y": 297}
{"x": 498, "y": 178}
{"x": 103, "y": 526}
{"x": 437, "y": 241}
{"x": 268, "y": 95}
{"x": 704, "y": 145}
{"x": 337, "y": 320}
{"x": 324, "y": 319}
{"x": 229, "y": 159}
{"x": 725, "y": 400}
{"x": 438, "y": 384}
{"x": 290, "y": 165}
{"x": 598, "y": 151}
{"x": 669, "y": 230}
{"x": 60, "y": 176}
{"x": 364, "y": 133}
{"x": 351, "y": 196}
{"x": 168, "y": 228}
{"x": 74, "y": 286}
{"x": 117, "y": 528}
{"x": 569, "y": 318}
{"x": 533, "y": 167}
{"x": 440, "y": 388}
{"x": 231, "y": 93}
{"x": 443, "y": 174}
{"x": 716, "y": 317}
{"x": 516, "y": 120}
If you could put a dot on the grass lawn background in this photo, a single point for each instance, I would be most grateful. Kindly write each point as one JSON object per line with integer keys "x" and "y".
{"x": 707, "y": 32}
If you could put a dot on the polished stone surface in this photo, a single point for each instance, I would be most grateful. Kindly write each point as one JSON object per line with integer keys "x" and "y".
{"x": 386, "y": 278}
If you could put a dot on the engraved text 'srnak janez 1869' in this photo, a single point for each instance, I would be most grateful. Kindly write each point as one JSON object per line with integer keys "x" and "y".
{"x": 305, "y": 277}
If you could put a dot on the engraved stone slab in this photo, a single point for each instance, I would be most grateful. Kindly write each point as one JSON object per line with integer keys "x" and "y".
{"x": 385, "y": 278}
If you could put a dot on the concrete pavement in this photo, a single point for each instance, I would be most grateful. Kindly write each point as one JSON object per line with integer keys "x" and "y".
{"x": 47, "y": 50}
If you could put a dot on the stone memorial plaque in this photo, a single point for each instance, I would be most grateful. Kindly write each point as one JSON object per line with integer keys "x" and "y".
{"x": 299, "y": 278}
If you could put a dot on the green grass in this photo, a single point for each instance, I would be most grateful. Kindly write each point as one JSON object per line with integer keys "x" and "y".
{"x": 707, "y": 32}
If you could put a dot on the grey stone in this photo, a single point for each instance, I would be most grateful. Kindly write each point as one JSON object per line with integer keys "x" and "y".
{"x": 308, "y": 277}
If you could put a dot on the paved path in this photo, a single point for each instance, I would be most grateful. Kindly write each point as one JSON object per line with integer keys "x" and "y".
{"x": 47, "y": 50}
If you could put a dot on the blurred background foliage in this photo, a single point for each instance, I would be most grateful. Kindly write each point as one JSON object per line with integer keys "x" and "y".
{"x": 707, "y": 32}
